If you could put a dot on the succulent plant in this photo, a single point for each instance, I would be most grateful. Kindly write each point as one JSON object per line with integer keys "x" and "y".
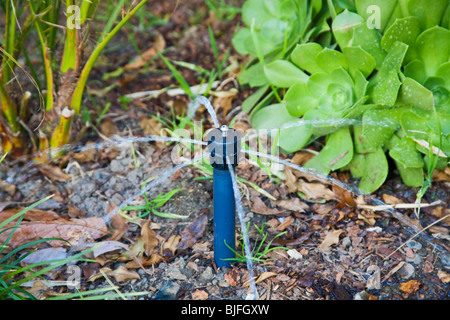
{"x": 374, "y": 92}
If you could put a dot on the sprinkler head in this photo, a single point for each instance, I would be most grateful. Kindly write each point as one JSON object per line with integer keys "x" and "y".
{"x": 224, "y": 145}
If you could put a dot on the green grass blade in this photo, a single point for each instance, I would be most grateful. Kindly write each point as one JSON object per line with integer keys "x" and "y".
{"x": 183, "y": 83}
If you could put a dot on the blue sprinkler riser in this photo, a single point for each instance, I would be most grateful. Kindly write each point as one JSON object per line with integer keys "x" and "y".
{"x": 224, "y": 218}
{"x": 224, "y": 147}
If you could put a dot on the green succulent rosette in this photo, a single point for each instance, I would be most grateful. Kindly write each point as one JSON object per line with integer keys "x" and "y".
{"x": 373, "y": 93}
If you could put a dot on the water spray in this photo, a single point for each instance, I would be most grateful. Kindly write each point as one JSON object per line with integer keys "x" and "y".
{"x": 223, "y": 146}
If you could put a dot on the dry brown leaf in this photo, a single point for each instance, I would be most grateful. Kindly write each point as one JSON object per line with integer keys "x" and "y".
{"x": 344, "y": 196}
{"x": 286, "y": 222}
{"x": 263, "y": 276}
{"x": 315, "y": 191}
{"x": 108, "y": 128}
{"x": 71, "y": 230}
{"x": 88, "y": 155}
{"x": 200, "y": 295}
{"x": 191, "y": 233}
{"x": 103, "y": 247}
{"x": 439, "y": 213}
{"x": 122, "y": 274}
{"x": 330, "y": 239}
{"x": 140, "y": 262}
{"x": 410, "y": 287}
{"x": 232, "y": 277}
{"x": 293, "y": 205}
{"x": 75, "y": 212}
{"x": 391, "y": 199}
{"x": 30, "y": 215}
{"x": 53, "y": 172}
{"x": 7, "y": 187}
{"x": 170, "y": 246}
{"x": 224, "y": 100}
{"x": 149, "y": 237}
{"x": 118, "y": 223}
{"x": 258, "y": 206}
{"x": 302, "y": 157}
{"x": 291, "y": 180}
{"x": 148, "y": 54}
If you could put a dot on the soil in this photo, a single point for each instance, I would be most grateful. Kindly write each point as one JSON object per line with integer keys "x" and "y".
{"x": 369, "y": 259}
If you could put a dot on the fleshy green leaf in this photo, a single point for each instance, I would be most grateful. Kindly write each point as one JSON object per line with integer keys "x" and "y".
{"x": 379, "y": 125}
{"x": 304, "y": 57}
{"x": 433, "y": 47}
{"x": 414, "y": 94}
{"x": 283, "y": 74}
{"x": 412, "y": 177}
{"x": 329, "y": 60}
{"x": 299, "y": 100}
{"x": 358, "y": 59}
{"x": 337, "y": 153}
{"x": 404, "y": 151}
{"x": 253, "y": 76}
{"x": 275, "y": 117}
{"x": 405, "y": 30}
{"x": 429, "y": 12}
{"x": 375, "y": 171}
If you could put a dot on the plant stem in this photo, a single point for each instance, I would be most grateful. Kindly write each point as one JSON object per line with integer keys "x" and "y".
{"x": 78, "y": 93}
{"x": 47, "y": 59}
{"x": 61, "y": 134}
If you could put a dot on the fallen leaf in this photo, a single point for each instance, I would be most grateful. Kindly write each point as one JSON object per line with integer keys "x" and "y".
{"x": 71, "y": 230}
{"x": 410, "y": 287}
{"x": 103, "y": 247}
{"x": 46, "y": 254}
{"x": 30, "y": 215}
{"x": 291, "y": 180}
{"x": 315, "y": 191}
{"x": 7, "y": 187}
{"x": 87, "y": 155}
{"x": 263, "y": 276}
{"x": 330, "y": 239}
{"x": 149, "y": 237}
{"x": 140, "y": 262}
{"x": 302, "y": 157}
{"x": 440, "y": 213}
{"x": 75, "y": 212}
{"x": 118, "y": 223}
{"x": 286, "y": 222}
{"x": 344, "y": 196}
{"x": 53, "y": 172}
{"x": 258, "y": 206}
{"x": 191, "y": 233}
{"x": 148, "y": 54}
{"x": 224, "y": 100}
{"x": 200, "y": 295}
{"x": 293, "y": 205}
{"x": 391, "y": 199}
{"x": 232, "y": 277}
{"x": 108, "y": 128}
{"x": 170, "y": 246}
{"x": 122, "y": 274}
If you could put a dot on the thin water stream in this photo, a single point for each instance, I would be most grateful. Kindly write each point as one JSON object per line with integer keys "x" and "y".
{"x": 247, "y": 247}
